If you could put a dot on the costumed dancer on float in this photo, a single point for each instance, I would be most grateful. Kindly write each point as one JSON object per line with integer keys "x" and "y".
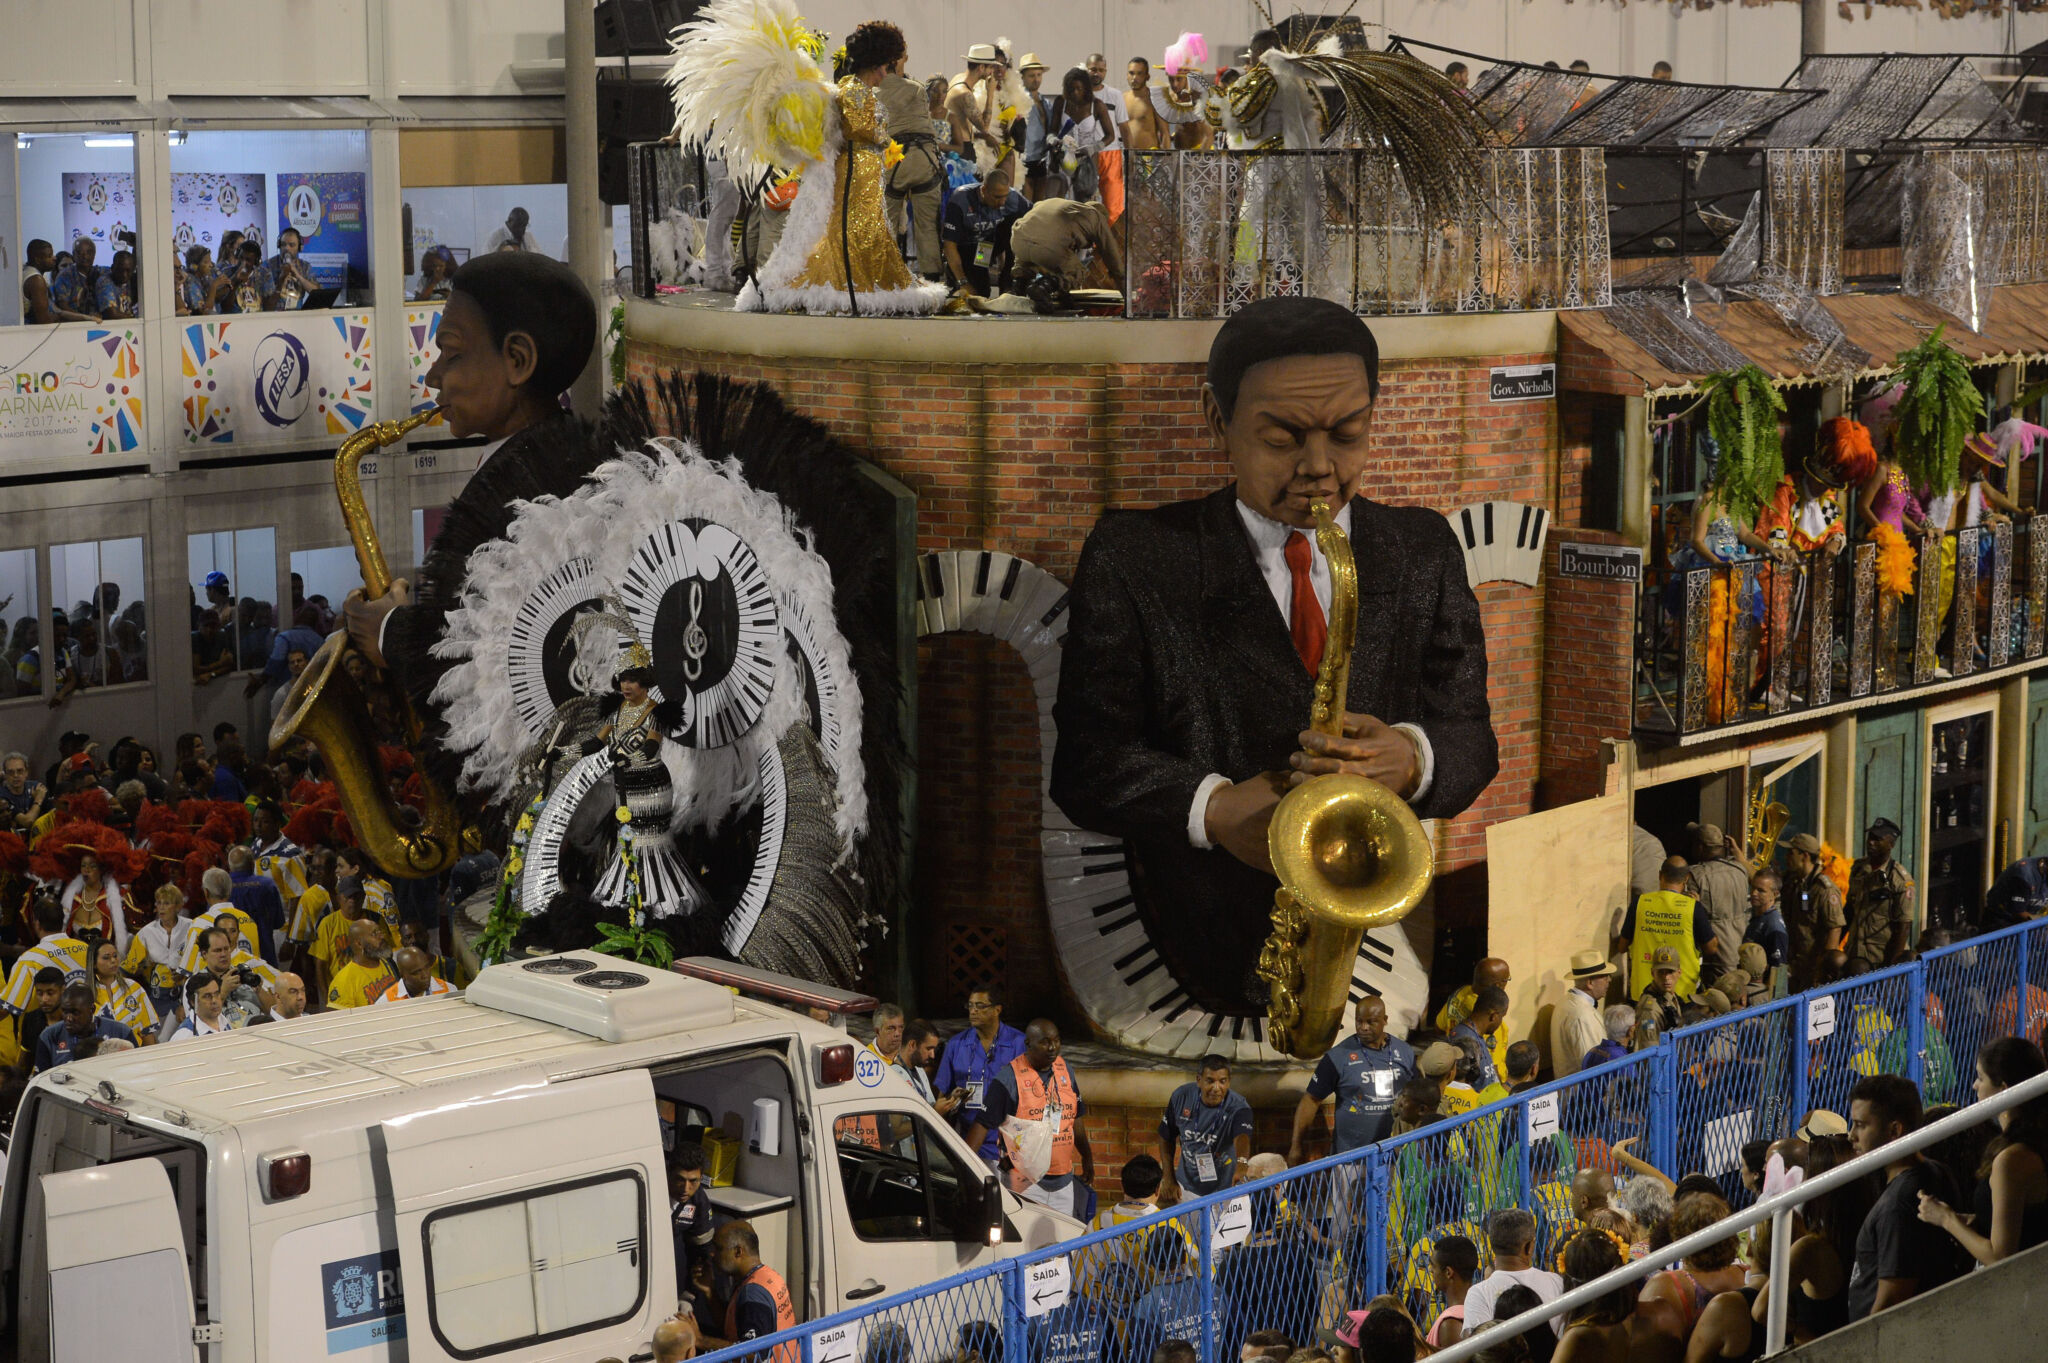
{"x": 750, "y": 90}
{"x": 1197, "y": 630}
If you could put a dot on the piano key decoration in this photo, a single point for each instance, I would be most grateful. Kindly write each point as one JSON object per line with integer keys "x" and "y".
{"x": 1103, "y": 942}
{"x": 542, "y": 654}
{"x": 697, "y": 594}
{"x": 1503, "y": 541}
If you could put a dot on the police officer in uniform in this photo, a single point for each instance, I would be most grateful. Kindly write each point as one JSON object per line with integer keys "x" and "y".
{"x": 1667, "y": 917}
{"x": 1812, "y": 903}
{"x": 1366, "y": 1071}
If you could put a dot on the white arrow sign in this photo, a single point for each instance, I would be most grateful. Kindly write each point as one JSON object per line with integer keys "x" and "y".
{"x": 1820, "y": 1017}
{"x": 839, "y": 1344}
{"x": 1542, "y": 1116}
{"x": 1047, "y": 1285}
{"x": 1230, "y": 1224}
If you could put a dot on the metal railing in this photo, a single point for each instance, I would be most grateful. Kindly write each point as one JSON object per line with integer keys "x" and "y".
{"x": 1757, "y": 639}
{"x": 1776, "y": 1209}
{"x": 1208, "y": 231}
{"x": 1294, "y": 1251}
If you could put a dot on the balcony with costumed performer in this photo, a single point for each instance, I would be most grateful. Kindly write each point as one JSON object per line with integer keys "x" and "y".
{"x": 1198, "y": 627}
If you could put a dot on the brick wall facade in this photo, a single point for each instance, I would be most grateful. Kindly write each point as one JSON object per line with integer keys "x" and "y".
{"x": 1024, "y": 459}
{"x": 1587, "y": 676}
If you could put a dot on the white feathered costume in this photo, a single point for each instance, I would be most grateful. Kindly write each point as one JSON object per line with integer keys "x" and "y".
{"x": 749, "y": 88}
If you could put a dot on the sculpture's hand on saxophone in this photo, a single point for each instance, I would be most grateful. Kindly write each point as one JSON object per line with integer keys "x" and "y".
{"x": 1368, "y": 747}
{"x": 365, "y": 619}
{"x": 1239, "y": 813}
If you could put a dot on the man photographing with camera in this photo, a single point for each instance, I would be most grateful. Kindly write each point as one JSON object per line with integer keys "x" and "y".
{"x": 1880, "y": 907}
{"x": 245, "y": 979}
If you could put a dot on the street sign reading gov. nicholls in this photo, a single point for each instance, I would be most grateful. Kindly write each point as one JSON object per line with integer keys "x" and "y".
{"x": 1522, "y": 383}
{"x": 1601, "y": 562}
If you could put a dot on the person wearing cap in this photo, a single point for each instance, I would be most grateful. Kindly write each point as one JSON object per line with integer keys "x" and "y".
{"x": 1812, "y": 906}
{"x": 1668, "y": 921}
{"x": 1659, "y": 1002}
{"x": 1366, "y": 1071}
{"x": 1197, "y": 629}
{"x": 1766, "y": 933}
{"x": 1880, "y": 904}
{"x": 915, "y": 187}
{"x": 1719, "y": 880}
{"x": 1576, "y": 1026}
{"x": 1038, "y": 122}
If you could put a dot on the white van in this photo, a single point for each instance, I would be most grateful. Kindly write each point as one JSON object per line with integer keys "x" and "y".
{"x": 472, "y": 1177}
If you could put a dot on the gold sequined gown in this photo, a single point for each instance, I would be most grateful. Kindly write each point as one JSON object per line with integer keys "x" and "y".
{"x": 840, "y": 218}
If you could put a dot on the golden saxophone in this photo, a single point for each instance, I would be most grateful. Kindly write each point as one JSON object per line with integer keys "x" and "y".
{"x": 1349, "y": 852}
{"x": 327, "y": 705}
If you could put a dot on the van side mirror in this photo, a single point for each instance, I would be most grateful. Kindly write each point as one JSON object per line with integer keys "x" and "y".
{"x": 982, "y": 1219}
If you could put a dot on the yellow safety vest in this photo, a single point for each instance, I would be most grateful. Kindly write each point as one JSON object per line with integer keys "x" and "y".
{"x": 1663, "y": 919}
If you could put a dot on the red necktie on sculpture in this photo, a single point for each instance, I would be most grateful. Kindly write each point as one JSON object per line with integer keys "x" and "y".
{"x": 1305, "y": 614}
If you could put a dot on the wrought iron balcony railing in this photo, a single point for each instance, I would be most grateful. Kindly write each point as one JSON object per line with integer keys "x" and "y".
{"x": 1745, "y": 643}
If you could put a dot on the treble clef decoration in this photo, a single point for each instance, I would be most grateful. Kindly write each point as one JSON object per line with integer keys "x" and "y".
{"x": 695, "y": 642}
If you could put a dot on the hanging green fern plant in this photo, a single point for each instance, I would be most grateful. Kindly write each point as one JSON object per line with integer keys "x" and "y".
{"x": 1742, "y": 416}
{"x": 1938, "y": 411}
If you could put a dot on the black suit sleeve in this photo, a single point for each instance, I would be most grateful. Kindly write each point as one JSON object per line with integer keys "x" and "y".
{"x": 1452, "y": 707}
{"x": 1106, "y": 775}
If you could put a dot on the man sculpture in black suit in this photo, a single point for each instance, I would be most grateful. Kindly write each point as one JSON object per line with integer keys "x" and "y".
{"x": 1196, "y": 629}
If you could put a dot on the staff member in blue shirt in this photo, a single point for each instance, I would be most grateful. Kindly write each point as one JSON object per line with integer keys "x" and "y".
{"x": 1366, "y": 1071}
{"x": 976, "y": 231}
{"x": 1205, "y": 1133}
{"x": 973, "y": 1058}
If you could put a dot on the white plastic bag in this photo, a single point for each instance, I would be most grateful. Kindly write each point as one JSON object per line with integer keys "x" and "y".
{"x": 1030, "y": 1147}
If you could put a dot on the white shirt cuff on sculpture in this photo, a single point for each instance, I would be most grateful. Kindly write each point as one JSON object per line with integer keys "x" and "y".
{"x": 1198, "y": 812}
{"x": 1425, "y": 759}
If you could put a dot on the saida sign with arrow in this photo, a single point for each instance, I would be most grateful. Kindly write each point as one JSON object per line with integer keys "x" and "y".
{"x": 1047, "y": 1285}
{"x": 1231, "y": 1224}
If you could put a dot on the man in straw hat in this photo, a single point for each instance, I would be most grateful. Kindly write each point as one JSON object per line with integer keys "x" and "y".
{"x": 1576, "y": 1026}
{"x": 973, "y": 106}
{"x": 1040, "y": 121}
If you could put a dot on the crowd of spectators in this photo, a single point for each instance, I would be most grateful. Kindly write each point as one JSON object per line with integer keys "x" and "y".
{"x": 144, "y": 906}
{"x": 1707, "y": 936}
{"x": 71, "y": 286}
{"x": 105, "y": 642}
{"x": 1293, "y": 1289}
{"x": 100, "y": 641}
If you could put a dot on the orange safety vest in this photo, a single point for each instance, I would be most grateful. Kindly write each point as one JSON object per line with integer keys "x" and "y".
{"x": 785, "y": 1313}
{"x": 1032, "y": 1101}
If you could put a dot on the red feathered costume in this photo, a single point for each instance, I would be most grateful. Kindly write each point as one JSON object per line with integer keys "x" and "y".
{"x": 92, "y": 908}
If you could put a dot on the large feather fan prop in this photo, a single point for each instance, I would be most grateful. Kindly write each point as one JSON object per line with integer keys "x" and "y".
{"x": 817, "y": 478}
{"x": 1394, "y": 102}
{"x": 631, "y": 499}
{"x": 749, "y": 86}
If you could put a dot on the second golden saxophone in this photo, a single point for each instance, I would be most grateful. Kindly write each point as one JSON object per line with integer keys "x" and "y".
{"x": 327, "y": 705}
{"x": 1350, "y": 853}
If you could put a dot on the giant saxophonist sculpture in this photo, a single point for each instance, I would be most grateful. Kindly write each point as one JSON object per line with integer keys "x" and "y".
{"x": 1349, "y": 852}
{"x": 327, "y": 705}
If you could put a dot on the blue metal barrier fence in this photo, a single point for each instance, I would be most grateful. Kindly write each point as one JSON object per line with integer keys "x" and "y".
{"x": 1295, "y": 1251}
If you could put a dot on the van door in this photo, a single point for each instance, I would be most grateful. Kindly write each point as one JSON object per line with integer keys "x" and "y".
{"x": 904, "y": 1207}
{"x": 532, "y": 1224}
{"x": 112, "y": 1236}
